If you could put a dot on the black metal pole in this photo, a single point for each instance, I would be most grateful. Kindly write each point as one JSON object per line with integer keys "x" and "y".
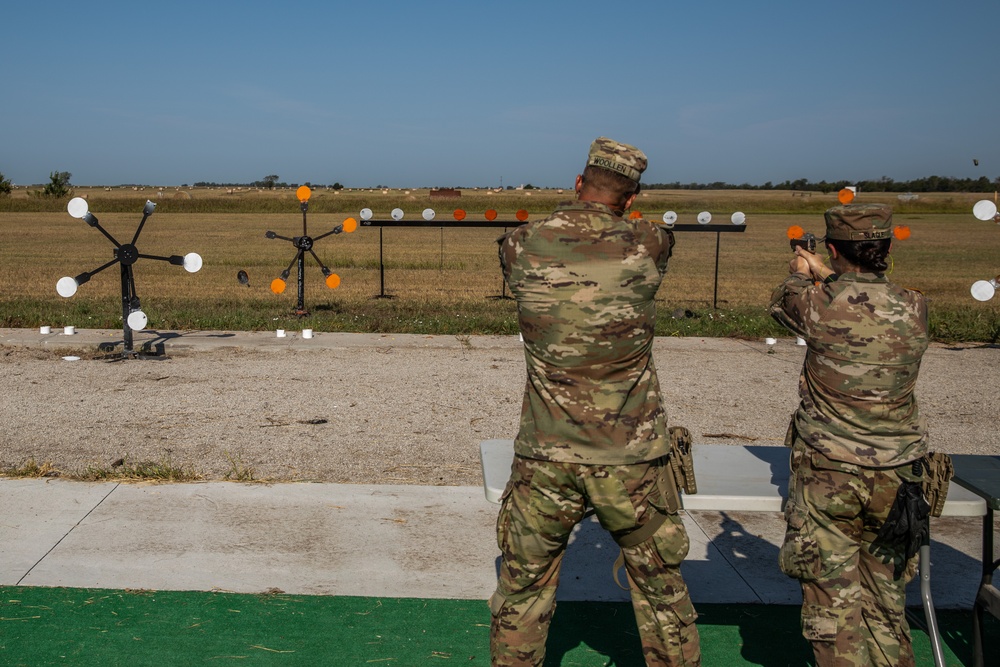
{"x": 138, "y": 230}
{"x": 381, "y": 267}
{"x": 301, "y": 310}
{"x": 126, "y": 309}
{"x": 503, "y": 283}
{"x": 715, "y": 292}
{"x": 503, "y": 280}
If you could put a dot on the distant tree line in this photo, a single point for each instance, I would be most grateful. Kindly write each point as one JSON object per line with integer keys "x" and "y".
{"x": 264, "y": 184}
{"x": 884, "y": 184}
{"x": 59, "y": 185}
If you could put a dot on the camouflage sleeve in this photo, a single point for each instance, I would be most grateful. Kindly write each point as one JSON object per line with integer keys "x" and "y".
{"x": 666, "y": 248}
{"x": 507, "y": 249}
{"x": 792, "y": 300}
{"x": 661, "y": 241}
{"x": 501, "y": 242}
{"x": 921, "y": 308}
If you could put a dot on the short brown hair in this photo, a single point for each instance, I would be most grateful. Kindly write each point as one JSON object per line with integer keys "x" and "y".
{"x": 614, "y": 185}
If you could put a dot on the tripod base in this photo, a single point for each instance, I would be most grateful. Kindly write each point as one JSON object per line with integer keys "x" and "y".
{"x": 148, "y": 352}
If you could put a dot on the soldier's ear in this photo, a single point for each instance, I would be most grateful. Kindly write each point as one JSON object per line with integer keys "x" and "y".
{"x": 579, "y": 183}
{"x": 630, "y": 200}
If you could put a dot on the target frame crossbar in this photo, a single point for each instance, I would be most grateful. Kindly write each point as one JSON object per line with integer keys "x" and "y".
{"x": 738, "y": 220}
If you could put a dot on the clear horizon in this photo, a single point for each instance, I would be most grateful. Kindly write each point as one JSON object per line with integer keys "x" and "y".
{"x": 447, "y": 94}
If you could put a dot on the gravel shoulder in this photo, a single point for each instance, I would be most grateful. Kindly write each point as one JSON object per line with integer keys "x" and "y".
{"x": 393, "y": 409}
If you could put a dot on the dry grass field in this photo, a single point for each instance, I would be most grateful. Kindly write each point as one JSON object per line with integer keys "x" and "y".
{"x": 446, "y": 274}
{"x": 324, "y": 200}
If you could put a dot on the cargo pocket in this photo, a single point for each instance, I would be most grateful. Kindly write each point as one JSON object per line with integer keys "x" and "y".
{"x": 687, "y": 643}
{"x": 517, "y": 476}
{"x": 503, "y": 521}
{"x": 684, "y": 610}
{"x": 497, "y": 601}
{"x": 819, "y": 624}
{"x": 799, "y": 556}
{"x": 671, "y": 542}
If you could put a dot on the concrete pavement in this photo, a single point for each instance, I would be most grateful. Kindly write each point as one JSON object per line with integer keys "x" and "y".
{"x": 395, "y": 541}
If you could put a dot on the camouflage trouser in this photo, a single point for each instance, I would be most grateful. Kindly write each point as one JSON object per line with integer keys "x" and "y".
{"x": 541, "y": 504}
{"x": 853, "y": 609}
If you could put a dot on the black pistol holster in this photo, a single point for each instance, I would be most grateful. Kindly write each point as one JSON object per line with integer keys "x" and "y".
{"x": 676, "y": 474}
{"x": 907, "y": 525}
{"x": 937, "y": 472}
{"x": 682, "y": 459}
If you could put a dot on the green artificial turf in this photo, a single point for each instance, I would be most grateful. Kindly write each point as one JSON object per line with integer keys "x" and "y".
{"x": 71, "y": 626}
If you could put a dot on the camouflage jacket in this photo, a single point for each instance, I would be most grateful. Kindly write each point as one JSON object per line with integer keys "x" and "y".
{"x": 584, "y": 279}
{"x": 866, "y": 338}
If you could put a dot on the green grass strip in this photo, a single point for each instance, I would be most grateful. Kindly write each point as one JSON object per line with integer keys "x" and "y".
{"x": 71, "y": 626}
{"x": 948, "y": 324}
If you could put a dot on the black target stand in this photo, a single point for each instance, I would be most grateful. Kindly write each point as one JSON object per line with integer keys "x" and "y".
{"x": 125, "y": 254}
{"x": 304, "y": 244}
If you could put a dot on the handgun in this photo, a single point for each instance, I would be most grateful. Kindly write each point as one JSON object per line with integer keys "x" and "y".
{"x": 807, "y": 242}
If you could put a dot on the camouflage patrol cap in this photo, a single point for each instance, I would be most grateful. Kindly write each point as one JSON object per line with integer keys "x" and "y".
{"x": 859, "y": 222}
{"x": 626, "y": 160}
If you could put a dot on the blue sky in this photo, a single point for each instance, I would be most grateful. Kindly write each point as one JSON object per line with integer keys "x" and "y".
{"x": 469, "y": 93}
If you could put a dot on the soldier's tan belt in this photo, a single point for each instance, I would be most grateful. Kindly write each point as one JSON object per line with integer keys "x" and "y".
{"x": 748, "y": 479}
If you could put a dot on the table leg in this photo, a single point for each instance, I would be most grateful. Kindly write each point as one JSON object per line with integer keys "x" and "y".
{"x": 986, "y": 580}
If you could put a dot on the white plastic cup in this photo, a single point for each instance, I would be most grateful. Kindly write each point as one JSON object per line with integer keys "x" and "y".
{"x": 69, "y": 330}
{"x": 281, "y": 333}
{"x": 799, "y": 340}
{"x": 45, "y": 330}
{"x": 770, "y": 341}
{"x": 307, "y": 333}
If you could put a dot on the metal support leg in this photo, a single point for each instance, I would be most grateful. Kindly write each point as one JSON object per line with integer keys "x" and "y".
{"x": 985, "y": 584}
{"x": 928, "y": 602}
{"x": 300, "y": 310}
{"x": 381, "y": 270}
{"x": 503, "y": 284}
{"x": 715, "y": 291}
{"x": 127, "y": 341}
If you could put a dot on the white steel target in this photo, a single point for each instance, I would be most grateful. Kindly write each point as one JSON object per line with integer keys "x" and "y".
{"x": 126, "y": 255}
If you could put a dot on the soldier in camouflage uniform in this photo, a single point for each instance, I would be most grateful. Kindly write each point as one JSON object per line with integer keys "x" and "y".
{"x": 854, "y": 437}
{"x": 593, "y": 428}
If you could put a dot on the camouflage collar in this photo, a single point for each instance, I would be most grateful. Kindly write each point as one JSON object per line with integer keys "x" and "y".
{"x": 861, "y": 277}
{"x": 580, "y": 205}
